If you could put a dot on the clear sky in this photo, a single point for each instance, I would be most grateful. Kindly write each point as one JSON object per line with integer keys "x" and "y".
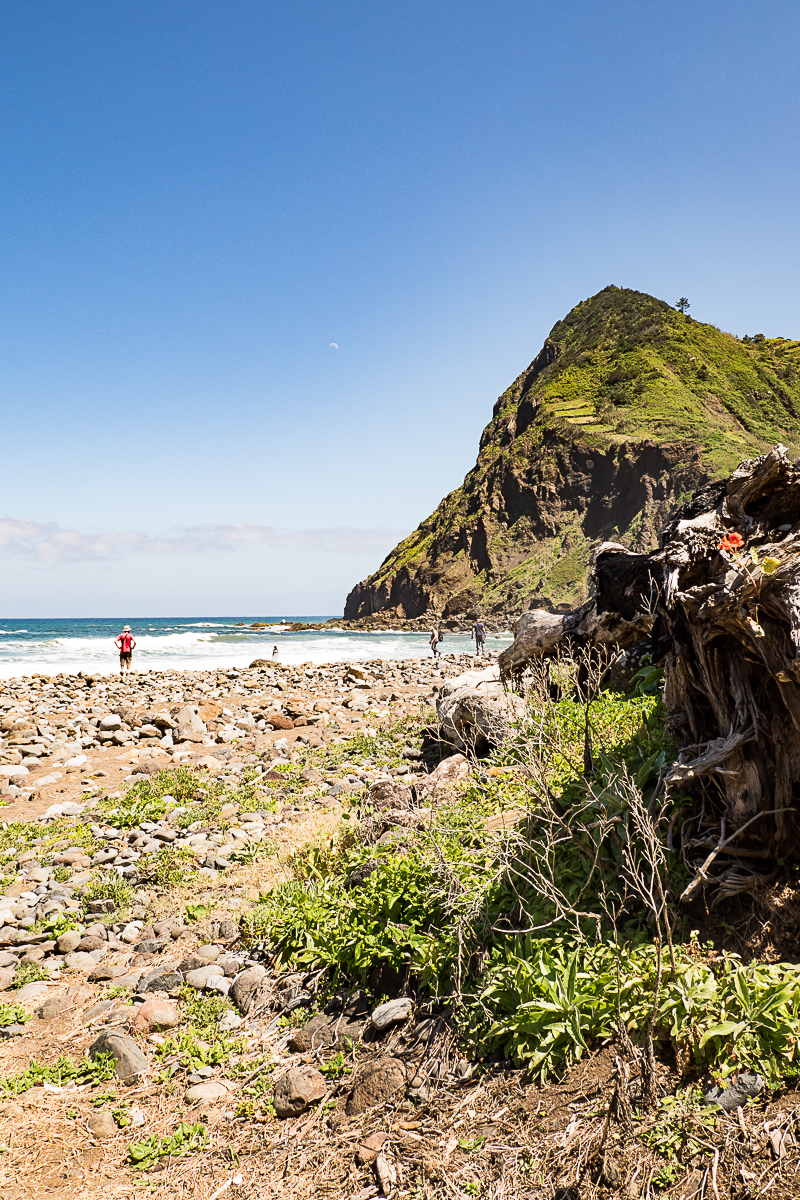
{"x": 265, "y": 266}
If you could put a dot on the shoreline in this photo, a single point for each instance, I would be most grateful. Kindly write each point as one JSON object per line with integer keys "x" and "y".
{"x": 87, "y": 647}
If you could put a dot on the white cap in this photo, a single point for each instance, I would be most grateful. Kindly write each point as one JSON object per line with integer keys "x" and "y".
{"x": 126, "y": 628}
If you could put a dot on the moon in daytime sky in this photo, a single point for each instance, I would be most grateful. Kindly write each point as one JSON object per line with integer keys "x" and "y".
{"x": 334, "y": 345}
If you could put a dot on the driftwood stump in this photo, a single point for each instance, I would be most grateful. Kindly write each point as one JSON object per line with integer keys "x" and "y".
{"x": 721, "y": 600}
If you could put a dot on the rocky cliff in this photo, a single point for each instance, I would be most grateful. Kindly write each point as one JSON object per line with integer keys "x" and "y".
{"x": 628, "y": 408}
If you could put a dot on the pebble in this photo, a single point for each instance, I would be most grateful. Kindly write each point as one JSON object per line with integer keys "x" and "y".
{"x": 160, "y": 981}
{"x": 210, "y": 953}
{"x": 375, "y": 1083}
{"x": 102, "y": 1124}
{"x": 53, "y": 1007}
{"x": 368, "y": 1149}
{"x": 69, "y": 941}
{"x": 210, "y": 1091}
{"x": 245, "y": 986}
{"x": 131, "y": 1063}
{"x": 391, "y": 1013}
{"x": 297, "y": 1090}
{"x": 202, "y": 976}
{"x": 80, "y": 960}
{"x": 32, "y": 991}
{"x": 218, "y": 983}
{"x": 156, "y": 1013}
{"x": 231, "y": 1021}
{"x": 97, "y": 1010}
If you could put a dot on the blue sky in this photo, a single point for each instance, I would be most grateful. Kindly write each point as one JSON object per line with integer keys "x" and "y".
{"x": 198, "y": 198}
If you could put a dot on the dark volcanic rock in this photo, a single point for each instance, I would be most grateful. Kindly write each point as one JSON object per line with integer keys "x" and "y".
{"x": 131, "y": 1063}
{"x": 375, "y": 1083}
{"x": 324, "y": 1032}
{"x": 297, "y": 1090}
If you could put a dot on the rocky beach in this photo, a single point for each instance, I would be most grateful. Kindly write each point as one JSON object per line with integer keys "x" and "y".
{"x": 57, "y": 733}
{"x": 229, "y": 902}
{"x": 142, "y": 819}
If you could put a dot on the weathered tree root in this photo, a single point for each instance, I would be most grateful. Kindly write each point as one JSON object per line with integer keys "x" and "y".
{"x": 721, "y": 603}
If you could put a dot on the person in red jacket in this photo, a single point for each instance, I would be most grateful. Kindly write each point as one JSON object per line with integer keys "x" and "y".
{"x": 125, "y": 643}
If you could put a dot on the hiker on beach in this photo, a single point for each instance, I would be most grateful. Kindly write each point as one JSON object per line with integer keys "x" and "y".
{"x": 479, "y": 633}
{"x": 125, "y": 644}
{"x": 436, "y": 637}
{"x": 274, "y": 651}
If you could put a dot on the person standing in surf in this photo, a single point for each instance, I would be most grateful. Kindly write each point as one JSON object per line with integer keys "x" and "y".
{"x": 125, "y": 643}
{"x": 436, "y": 637}
{"x": 479, "y": 633}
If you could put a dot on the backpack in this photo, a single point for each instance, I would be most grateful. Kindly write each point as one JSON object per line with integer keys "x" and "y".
{"x": 440, "y": 637}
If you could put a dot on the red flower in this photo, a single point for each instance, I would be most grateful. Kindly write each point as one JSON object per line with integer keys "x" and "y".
{"x": 731, "y": 541}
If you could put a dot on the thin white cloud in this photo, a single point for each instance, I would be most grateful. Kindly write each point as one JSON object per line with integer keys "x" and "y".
{"x": 48, "y": 543}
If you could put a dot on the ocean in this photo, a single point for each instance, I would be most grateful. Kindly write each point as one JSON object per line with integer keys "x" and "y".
{"x": 200, "y": 643}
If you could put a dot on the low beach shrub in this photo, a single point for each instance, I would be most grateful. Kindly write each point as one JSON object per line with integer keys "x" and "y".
{"x": 110, "y": 886}
{"x": 537, "y": 903}
{"x": 542, "y": 1002}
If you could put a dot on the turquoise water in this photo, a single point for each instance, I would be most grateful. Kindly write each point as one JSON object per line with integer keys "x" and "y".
{"x": 198, "y": 643}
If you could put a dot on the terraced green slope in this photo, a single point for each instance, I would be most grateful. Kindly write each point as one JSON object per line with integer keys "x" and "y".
{"x": 629, "y": 366}
{"x": 628, "y": 407}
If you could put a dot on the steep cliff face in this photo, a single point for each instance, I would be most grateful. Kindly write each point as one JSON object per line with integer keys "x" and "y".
{"x": 628, "y": 408}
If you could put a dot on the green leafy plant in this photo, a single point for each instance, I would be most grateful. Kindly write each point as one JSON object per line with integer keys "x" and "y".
{"x": 57, "y": 923}
{"x": 188, "y": 1050}
{"x": 110, "y": 886}
{"x": 665, "y": 1176}
{"x": 65, "y": 1070}
{"x": 203, "y": 1011}
{"x": 171, "y": 866}
{"x": 335, "y": 1068}
{"x": 682, "y": 1126}
{"x": 12, "y": 1014}
{"x": 121, "y": 1115}
{"x": 251, "y": 852}
{"x": 116, "y": 991}
{"x": 186, "y": 1139}
{"x": 135, "y": 808}
{"x": 196, "y": 912}
{"x": 470, "y": 1144}
{"x": 29, "y": 973}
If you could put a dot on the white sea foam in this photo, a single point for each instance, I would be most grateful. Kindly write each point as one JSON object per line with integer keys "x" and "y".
{"x": 205, "y": 645}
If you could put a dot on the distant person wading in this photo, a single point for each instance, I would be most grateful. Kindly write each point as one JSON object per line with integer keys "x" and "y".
{"x": 125, "y": 643}
{"x": 436, "y": 637}
{"x": 479, "y": 633}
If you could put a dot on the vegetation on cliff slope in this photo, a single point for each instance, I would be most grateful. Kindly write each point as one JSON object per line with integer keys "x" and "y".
{"x": 627, "y": 409}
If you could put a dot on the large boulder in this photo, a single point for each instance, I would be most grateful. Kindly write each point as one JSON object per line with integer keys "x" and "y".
{"x": 474, "y": 710}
